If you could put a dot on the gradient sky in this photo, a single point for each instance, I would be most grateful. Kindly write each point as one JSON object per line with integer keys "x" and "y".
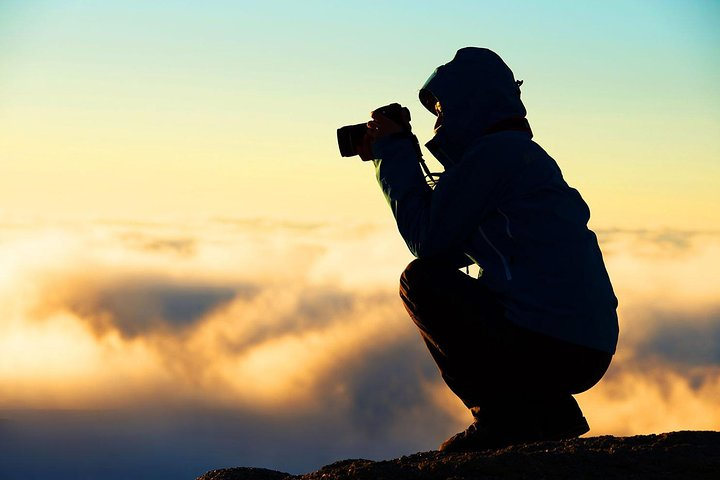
{"x": 218, "y": 108}
{"x": 191, "y": 277}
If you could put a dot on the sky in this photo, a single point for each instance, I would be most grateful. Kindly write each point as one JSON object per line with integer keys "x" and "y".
{"x": 191, "y": 277}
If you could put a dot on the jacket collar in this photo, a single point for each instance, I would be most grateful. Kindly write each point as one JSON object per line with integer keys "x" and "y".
{"x": 449, "y": 151}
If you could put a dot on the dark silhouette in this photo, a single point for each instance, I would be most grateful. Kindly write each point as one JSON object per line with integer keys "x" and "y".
{"x": 539, "y": 323}
{"x": 667, "y": 456}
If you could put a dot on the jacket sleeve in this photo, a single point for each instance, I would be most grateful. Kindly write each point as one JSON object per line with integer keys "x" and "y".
{"x": 434, "y": 223}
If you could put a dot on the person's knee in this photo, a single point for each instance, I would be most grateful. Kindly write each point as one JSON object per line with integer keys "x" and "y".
{"x": 421, "y": 283}
{"x": 417, "y": 291}
{"x": 410, "y": 273}
{"x": 415, "y": 278}
{"x": 410, "y": 280}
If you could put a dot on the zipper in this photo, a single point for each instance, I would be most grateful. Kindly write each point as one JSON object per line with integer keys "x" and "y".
{"x": 508, "y": 275}
{"x": 507, "y": 223}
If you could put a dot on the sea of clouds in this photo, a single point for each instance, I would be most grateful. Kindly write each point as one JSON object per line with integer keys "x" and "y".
{"x": 138, "y": 350}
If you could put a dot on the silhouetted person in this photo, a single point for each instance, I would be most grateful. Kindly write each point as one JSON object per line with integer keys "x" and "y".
{"x": 539, "y": 324}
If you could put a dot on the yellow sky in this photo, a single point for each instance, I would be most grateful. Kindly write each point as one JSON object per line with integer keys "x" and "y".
{"x": 132, "y": 111}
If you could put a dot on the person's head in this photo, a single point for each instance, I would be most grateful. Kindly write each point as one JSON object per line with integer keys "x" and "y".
{"x": 470, "y": 94}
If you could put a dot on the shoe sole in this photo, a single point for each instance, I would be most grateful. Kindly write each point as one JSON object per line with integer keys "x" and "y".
{"x": 580, "y": 428}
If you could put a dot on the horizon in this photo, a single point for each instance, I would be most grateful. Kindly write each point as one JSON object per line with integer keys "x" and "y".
{"x": 191, "y": 277}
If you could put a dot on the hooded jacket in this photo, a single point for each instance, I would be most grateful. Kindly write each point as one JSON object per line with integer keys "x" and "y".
{"x": 501, "y": 203}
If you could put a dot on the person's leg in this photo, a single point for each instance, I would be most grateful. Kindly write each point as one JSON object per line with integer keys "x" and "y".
{"x": 517, "y": 383}
{"x": 559, "y": 370}
{"x": 528, "y": 396}
{"x": 474, "y": 346}
{"x": 458, "y": 320}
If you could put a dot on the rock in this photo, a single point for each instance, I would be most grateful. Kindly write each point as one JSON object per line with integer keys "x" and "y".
{"x": 688, "y": 454}
{"x": 244, "y": 473}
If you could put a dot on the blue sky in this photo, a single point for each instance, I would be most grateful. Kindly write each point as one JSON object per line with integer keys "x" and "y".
{"x": 210, "y": 107}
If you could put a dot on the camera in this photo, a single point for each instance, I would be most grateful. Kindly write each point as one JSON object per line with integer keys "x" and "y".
{"x": 352, "y": 136}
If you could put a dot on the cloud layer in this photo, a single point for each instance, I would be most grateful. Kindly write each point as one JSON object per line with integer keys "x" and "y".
{"x": 234, "y": 342}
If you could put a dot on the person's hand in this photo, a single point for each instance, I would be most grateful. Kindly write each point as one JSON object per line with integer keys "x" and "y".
{"x": 364, "y": 149}
{"x": 381, "y": 126}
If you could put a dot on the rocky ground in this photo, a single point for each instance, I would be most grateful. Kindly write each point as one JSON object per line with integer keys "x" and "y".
{"x": 676, "y": 455}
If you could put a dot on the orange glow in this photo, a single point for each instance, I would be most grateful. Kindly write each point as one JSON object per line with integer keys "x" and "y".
{"x": 302, "y": 309}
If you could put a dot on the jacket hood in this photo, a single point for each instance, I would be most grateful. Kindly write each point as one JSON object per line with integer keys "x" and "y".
{"x": 477, "y": 92}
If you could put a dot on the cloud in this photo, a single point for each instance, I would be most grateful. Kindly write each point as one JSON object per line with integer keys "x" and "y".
{"x": 139, "y": 306}
{"x": 651, "y": 397}
{"x": 286, "y": 346}
{"x": 681, "y": 338}
{"x": 183, "y": 247}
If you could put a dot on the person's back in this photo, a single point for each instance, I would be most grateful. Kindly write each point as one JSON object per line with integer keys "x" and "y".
{"x": 542, "y": 258}
{"x": 539, "y": 324}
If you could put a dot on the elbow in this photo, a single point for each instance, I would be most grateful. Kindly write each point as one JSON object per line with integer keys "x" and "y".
{"x": 422, "y": 253}
{"x": 427, "y": 249}
{"x": 439, "y": 247}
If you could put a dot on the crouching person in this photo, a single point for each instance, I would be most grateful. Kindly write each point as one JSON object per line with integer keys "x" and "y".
{"x": 539, "y": 323}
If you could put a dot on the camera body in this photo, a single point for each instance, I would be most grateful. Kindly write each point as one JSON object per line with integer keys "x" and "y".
{"x": 352, "y": 136}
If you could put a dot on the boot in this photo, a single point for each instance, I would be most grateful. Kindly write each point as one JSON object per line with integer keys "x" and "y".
{"x": 559, "y": 418}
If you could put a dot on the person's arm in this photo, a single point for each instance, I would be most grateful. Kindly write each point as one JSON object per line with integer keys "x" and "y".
{"x": 410, "y": 199}
{"x": 434, "y": 223}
